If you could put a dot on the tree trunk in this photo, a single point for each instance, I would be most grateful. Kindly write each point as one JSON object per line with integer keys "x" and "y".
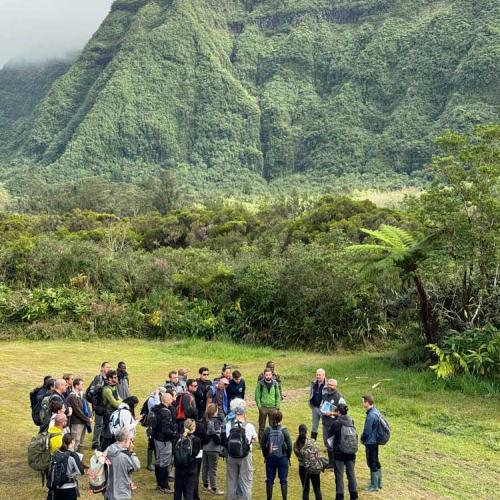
{"x": 427, "y": 319}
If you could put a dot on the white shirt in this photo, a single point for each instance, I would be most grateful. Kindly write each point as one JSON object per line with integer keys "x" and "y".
{"x": 250, "y": 431}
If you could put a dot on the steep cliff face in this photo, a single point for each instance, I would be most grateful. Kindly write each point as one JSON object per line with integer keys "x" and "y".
{"x": 271, "y": 87}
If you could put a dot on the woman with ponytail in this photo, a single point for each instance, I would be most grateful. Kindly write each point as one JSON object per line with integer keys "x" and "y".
{"x": 186, "y": 450}
{"x": 306, "y": 478}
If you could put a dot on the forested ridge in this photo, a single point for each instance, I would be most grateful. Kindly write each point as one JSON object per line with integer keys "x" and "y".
{"x": 230, "y": 94}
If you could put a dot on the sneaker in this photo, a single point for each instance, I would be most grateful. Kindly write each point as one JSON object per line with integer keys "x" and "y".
{"x": 165, "y": 491}
{"x": 217, "y": 493}
{"x": 207, "y": 488}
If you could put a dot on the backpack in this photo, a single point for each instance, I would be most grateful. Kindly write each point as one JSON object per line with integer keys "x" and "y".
{"x": 183, "y": 452}
{"x": 313, "y": 462}
{"x": 98, "y": 472}
{"x": 181, "y": 413}
{"x": 275, "y": 442}
{"x": 383, "y": 430}
{"x": 36, "y": 397}
{"x": 44, "y": 413}
{"x": 114, "y": 422}
{"x": 39, "y": 458}
{"x": 145, "y": 413}
{"x": 237, "y": 443}
{"x": 348, "y": 443}
{"x": 214, "y": 430}
{"x": 152, "y": 421}
{"x": 58, "y": 470}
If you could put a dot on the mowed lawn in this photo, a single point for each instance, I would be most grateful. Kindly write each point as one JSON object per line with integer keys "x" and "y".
{"x": 446, "y": 436}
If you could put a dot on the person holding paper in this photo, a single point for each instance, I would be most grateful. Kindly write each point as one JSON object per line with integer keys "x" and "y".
{"x": 331, "y": 399}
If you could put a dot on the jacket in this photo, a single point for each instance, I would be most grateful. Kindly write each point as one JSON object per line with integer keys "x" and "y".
{"x": 334, "y": 431}
{"x": 123, "y": 385}
{"x": 334, "y": 397}
{"x": 311, "y": 392}
{"x": 267, "y": 398}
{"x": 369, "y": 435}
{"x": 165, "y": 429}
{"x": 214, "y": 435}
{"x": 235, "y": 390}
{"x": 201, "y": 395}
{"x": 287, "y": 444}
{"x": 110, "y": 398}
{"x": 74, "y": 469}
{"x": 77, "y": 416}
{"x": 187, "y": 400}
{"x": 196, "y": 448}
{"x": 123, "y": 463}
{"x": 212, "y": 398}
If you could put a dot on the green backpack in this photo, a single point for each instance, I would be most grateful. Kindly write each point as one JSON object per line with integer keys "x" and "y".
{"x": 39, "y": 458}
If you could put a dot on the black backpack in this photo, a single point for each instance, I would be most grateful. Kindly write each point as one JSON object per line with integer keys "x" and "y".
{"x": 383, "y": 430}
{"x": 145, "y": 413}
{"x": 237, "y": 443}
{"x": 183, "y": 452}
{"x": 36, "y": 397}
{"x": 57, "y": 476}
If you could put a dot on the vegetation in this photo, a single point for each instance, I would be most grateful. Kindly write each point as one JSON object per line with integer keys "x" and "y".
{"x": 429, "y": 456}
{"x": 229, "y": 95}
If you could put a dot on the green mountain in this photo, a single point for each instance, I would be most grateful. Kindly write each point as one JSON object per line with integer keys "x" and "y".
{"x": 228, "y": 92}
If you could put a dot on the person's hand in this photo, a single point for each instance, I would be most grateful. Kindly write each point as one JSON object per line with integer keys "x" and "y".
{"x": 70, "y": 411}
{"x": 131, "y": 447}
{"x": 157, "y": 391}
{"x": 138, "y": 418}
{"x": 329, "y": 414}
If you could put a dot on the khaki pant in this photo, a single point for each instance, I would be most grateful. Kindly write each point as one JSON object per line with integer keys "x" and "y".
{"x": 78, "y": 435}
{"x": 263, "y": 416}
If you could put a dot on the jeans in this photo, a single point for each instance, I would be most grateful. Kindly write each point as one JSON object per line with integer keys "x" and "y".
{"x": 185, "y": 481}
{"x": 308, "y": 479}
{"x": 209, "y": 469}
{"x": 96, "y": 436}
{"x": 316, "y": 417}
{"x": 338, "y": 467}
{"x": 274, "y": 464}
{"x": 372, "y": 457}
{"x": 239, "y": 478}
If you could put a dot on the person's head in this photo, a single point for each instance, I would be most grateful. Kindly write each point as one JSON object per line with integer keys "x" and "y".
{"x": 105, "y": 367}
{"x": 192, "y": 385}
{"x": 239, "y": 406}
{"x": 124, "y": 437}
{"x": 342, "y": 409}
{"x": 204, "y": 373}
{"x": 69, "y": 377}
{"x": 67, "y": 443}
{"x": 78, "y": 384}
{"x": 320, "y": 375}
{"x": 60, "y": 420}
{"x": 223, "y": 383}
{"x": 211, "y": 411}
{"x": 268, "y": 374}
{"x": 237, "y": 376}
{"x": 271, "y": 365}
{"x": 226, "y": 371}
{"x": 132, "y": 402}
{"x": 182, "y": 372}
{"x": 50, "y": 384}
{"x": 112, "y": 377}
{"x": 56, "y": 406}
{"x": 166, "y": 399}
{"x": 332, "y": 384}
{"x": 173, "y": 376}
{"x": 301, "y": 438}
{"x": 46, "y": 380}
{"x": 275, "y": 418}
{"x": 368, "y": 401}
{"x": 122, "y": 366}
{"x": 60, "y": 386}
{"x": 189, "y": 426}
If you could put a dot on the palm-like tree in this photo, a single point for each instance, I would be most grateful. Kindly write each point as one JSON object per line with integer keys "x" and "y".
{"x": 401, "y": 250}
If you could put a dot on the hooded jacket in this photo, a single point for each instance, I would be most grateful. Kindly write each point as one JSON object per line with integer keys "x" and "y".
{"x": 268, "y": 397}
{"x": 123, "y": 463}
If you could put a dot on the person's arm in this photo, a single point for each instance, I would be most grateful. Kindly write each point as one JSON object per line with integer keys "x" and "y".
{"x": 135, "y": 463}
{"x": 258, "y": 393}
{"x": 75, "y": 466}
{"x": 263, "y": 447}
{"x": 277, "y": 396}
{"x": 107, "y": 397}
{"x": 244, "y": 388}
{"x": 288, "y": 442}
{"x": 366, "y": 429}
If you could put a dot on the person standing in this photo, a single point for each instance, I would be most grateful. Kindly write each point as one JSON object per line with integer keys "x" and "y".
{"x": 236, "y": 387}
{"x": 211, "y": 450}
{"x": 333, "y": 397}
{"x": 201, "y": 394}
{"x": 369, "y": 439}
{"x": 80, "y": 421}
{"x": 69, "y": 378}
{"x": 218, "y": 395}
{"x": 94, "y": 396}
{"x": 344, "y": 453}
{"x": 315, "y": 399}
{"x": 111, "y": 402}
{"x": 272, "y": 366}
{"x": 185, "y": 402}
{"x": 172, "y": 384}
{"x": 163, "y": 433}
{"x": 277, "y": 450}
{"x": 124, "y": 462}
{"x": 123, "y": 386}
{"x": 183, "y": 374}
{"x": 267, "y": 398}
{"x": 186, "y": 450}
{"x": 239, "y": 437}
{"x": 306, "y": 478}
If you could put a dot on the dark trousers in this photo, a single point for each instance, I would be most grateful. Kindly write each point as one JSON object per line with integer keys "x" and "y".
{"x": 277, "y": 464}
{"x": 308, "y": 479}
{"x": 196, "y": 494}
{"x": 106, "y": 441}
{"x": 372, "y": 457}
{"x": 338, "y": 467}
{"x": 66, "y": 494}
{"x": 185, "y": 482}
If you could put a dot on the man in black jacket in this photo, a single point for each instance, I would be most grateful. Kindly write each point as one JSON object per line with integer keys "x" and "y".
{"x": 164, "y": 434}
{"x": 201, "y": 394}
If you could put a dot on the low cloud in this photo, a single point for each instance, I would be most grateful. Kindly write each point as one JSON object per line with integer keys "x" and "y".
{"x": 35, "y": 30}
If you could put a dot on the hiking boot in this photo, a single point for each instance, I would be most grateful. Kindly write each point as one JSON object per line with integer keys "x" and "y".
{"x": 269, "y": 491}
{"x": 165, "y": 491}
{"x": 314, "y": 435}
{"x": 379, "y": 479}
{"x": 353, "y": 495}
{"x": 339, "y": 496}
{"x": 373, "y": 483}
{"x": 150, "y": 465}
{"x": 284, "y": 491}
{"x": 218, "y": 493}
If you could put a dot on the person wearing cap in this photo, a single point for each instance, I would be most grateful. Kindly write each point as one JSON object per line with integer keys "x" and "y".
{"x": 267, "y": 398}
{"x": 342, "y": 460}
{"x": 187, "y": 475}
{"x": 218, "y": 396}
{"x": 239, "y": 474}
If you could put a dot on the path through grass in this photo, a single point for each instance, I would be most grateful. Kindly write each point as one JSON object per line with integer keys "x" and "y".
{"x": 446, "y": 436}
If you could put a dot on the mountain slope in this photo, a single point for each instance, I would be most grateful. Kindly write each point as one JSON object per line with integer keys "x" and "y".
{"x": 228, "y": 89}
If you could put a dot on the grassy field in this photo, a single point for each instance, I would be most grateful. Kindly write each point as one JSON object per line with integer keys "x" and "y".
{"x": 446, "y": 436}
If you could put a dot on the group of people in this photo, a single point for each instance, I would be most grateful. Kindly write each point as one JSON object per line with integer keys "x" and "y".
{"x": 193, "y": 423}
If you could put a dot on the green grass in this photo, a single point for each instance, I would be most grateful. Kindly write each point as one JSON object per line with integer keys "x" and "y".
{"x": 445, "y": 435}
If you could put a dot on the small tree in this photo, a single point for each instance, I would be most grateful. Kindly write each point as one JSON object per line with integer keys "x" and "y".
{"x": 398, "y": 249}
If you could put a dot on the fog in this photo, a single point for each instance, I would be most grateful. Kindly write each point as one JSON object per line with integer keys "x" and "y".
{"x": 35, "y": 30}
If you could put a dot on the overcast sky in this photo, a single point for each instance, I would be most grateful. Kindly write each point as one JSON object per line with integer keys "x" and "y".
{"x": 40, "y": 29}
